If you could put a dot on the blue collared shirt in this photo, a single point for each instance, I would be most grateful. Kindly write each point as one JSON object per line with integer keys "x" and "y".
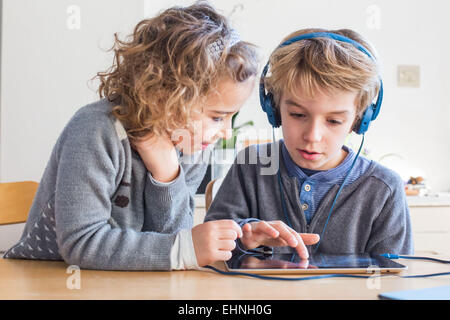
{"x": 314, "y": 185}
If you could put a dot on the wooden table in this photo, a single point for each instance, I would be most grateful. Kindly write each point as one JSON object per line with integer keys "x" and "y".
{"x": 23, "y": 279}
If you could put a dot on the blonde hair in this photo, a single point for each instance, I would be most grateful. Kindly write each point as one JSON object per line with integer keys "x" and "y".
{"x": 166, "y": 68}
{"x": 324, "y": 64}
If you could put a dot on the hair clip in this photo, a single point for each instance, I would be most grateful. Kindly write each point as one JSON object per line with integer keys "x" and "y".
{"x": 217, "y": 47}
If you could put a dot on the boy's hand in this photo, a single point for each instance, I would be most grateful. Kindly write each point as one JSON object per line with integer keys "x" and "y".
{"x": 276, "y": 234}
{"x": 214, "y": 240}
{"x": 159, "y": 156}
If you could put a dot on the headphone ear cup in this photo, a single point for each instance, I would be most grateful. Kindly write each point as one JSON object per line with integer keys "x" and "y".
{"x": 277, "y": 117}
{"x": 272, "y": 112}
{"x": 363, "y": 125}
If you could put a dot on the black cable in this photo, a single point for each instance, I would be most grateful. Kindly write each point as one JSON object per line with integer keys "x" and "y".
{"x": 258, "y": 276}
{"x": 386, "y": 255}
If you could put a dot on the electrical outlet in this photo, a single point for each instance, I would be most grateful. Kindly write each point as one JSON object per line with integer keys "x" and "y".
{"x": 408, "y": 76}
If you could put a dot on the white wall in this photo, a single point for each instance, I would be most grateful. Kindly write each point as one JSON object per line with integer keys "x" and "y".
{"x": 48, "y": 58}
{"x": 46, "y": 66}
{"x": 46, "y": 63}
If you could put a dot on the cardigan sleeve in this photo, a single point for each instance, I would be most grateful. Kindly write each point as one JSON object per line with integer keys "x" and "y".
{"x": 391, "y": 231}
{"x": 85, "y": 183}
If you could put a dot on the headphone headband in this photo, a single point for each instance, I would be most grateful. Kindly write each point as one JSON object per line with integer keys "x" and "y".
{"x": 268, "y": 104}
{"x": 329, "y": 35}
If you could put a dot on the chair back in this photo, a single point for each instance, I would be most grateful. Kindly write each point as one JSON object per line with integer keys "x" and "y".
{"x": 211, "y": 190}
{"x": 15, "y": 201}
{"x": 209, "y": 194}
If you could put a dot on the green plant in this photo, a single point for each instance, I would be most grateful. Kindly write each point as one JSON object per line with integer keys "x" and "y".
{"x": 231, "y": 143}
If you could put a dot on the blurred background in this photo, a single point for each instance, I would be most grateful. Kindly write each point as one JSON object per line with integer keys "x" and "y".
{"x": 51, "y": 49}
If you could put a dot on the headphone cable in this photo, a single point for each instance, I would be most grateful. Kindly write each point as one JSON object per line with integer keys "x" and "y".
{"x": 339, "y": 191}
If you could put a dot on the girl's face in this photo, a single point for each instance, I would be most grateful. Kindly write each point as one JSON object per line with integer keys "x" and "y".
{"x": 314, "y": 129}
{"x": 212, "y": 120}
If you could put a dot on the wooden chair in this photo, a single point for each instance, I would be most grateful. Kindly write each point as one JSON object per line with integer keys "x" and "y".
{"x": 15, "y": 201}
{"x": 211, "y": 189}
{"x": 208, "y": 194}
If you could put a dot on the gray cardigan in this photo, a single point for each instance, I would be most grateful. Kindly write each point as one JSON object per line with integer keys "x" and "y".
{"x": 370, "y": 216}
{"x": 99, "y": 208}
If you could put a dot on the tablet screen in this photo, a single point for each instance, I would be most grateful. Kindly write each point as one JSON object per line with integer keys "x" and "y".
{"x": 278, "y": 261}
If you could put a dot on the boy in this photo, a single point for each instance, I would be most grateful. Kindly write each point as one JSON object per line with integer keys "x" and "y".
{"x": 321, "y": 88}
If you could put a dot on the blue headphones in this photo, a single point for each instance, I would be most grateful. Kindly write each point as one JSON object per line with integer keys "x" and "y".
{"x": 268, "y": 104}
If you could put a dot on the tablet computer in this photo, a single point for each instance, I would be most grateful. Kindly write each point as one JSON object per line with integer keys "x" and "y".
{"x": 282, "y": 263}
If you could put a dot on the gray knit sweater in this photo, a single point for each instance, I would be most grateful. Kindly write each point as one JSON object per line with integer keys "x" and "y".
{"x": 370, "y": 216}
{"x": 99, "y": 208}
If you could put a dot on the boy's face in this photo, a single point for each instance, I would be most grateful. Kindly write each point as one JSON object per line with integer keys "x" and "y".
{"x": 315, "y": 129}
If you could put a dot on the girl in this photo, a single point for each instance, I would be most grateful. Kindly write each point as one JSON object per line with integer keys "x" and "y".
{"x": 117, "y": 193}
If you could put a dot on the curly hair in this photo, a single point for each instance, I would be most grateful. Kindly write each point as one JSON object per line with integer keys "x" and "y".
{"x": 325, "y": 64}
{"x": 165, "y": 68}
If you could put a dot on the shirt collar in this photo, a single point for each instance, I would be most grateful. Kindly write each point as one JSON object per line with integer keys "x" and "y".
{"x": 333, "y": 175}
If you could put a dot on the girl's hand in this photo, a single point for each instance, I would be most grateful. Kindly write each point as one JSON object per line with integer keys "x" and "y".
{"x": 214, "y": 240}
{"x": 276, "y": 234}
{"x": 159, "y": 156}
